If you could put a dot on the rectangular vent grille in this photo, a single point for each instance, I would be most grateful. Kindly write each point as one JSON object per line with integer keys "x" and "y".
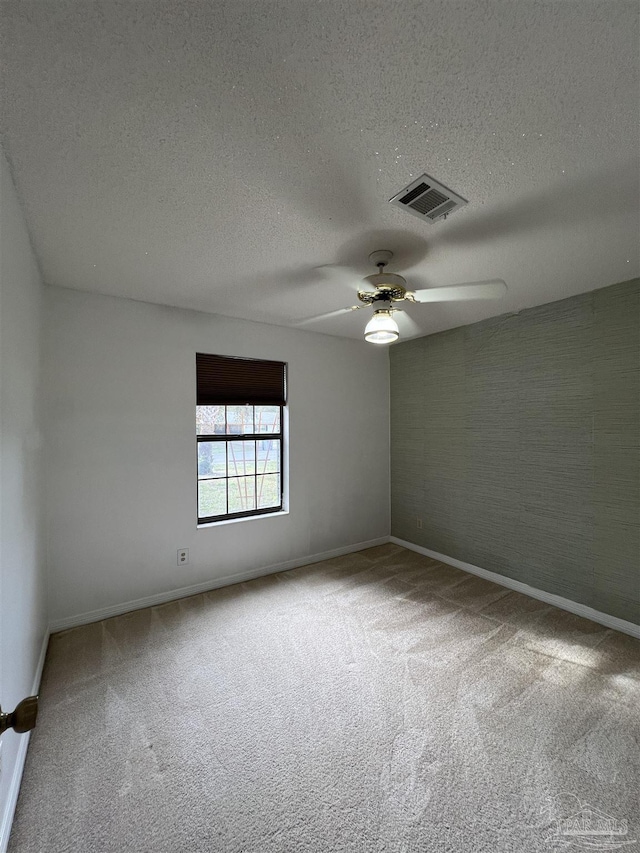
{"x": 444, "y": 209}
{"x": 415, "y": 192}
{"x": 428, "y": 199}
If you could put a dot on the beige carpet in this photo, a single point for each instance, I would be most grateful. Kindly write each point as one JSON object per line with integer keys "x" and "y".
{"x": 375, "y": 702}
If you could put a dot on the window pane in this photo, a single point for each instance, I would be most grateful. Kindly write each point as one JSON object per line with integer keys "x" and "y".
{"x": 209, "y": 420}
{"x": 241, "y": 457}
{"x": 212, "y": 498}
{"x": 268, "y": 488}
{"x": 267, "y": 418}
{"x": 212, "y": 459}
{"x": 242, "y": 494}
{"x": 239, "y": 419}
{"x": 268, "y": 456}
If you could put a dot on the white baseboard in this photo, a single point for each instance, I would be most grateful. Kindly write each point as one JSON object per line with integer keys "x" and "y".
{"x": 16, "y": 778}
{"x": 548, "y": 597}
{"x": 214, "y": 583}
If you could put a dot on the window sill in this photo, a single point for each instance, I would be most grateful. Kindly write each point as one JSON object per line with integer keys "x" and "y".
{"x": 245, "y": 518}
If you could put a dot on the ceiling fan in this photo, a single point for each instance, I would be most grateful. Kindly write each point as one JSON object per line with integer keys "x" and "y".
{"x": 385, "y": 290}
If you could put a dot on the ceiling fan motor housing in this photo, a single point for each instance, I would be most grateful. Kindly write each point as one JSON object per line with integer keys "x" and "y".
{"x": 388, "y": 287}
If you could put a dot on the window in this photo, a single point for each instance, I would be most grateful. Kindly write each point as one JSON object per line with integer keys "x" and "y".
{"x": 239, "y": 431}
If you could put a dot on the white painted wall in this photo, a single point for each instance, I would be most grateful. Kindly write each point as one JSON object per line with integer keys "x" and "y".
{"x": 121, "y": 472}
{"x": 22, "y": 579}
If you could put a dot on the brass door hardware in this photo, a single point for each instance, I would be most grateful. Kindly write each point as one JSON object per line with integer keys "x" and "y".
{"x": 23, "y": 719}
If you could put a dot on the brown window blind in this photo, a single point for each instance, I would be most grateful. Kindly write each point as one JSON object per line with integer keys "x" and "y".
{"x": 222, "y": 379}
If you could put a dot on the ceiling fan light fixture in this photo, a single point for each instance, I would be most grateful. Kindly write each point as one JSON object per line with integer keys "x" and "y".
{"x": 381, "y": 328}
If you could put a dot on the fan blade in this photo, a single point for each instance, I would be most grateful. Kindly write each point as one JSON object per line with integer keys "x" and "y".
{"x": 459, "y": 292}
{"x": 329, "y": 314}
{"x": 407, "y": 325}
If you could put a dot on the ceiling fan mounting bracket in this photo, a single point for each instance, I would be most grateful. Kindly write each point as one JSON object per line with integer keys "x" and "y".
{"x": 381, "y": 257}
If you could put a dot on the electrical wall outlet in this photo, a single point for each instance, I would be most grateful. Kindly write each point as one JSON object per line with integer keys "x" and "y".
{"x": 183, "y": 556}
{"x": 419, "y": 523}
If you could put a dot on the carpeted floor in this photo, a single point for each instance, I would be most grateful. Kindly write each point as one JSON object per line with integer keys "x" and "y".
{"x": 376, "y": 702}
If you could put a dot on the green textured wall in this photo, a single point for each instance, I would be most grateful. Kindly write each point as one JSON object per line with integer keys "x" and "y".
{"x": 517, "y": 442}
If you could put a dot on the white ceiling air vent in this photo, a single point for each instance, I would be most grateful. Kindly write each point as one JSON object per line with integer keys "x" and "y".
{"x": 427, "y": 199}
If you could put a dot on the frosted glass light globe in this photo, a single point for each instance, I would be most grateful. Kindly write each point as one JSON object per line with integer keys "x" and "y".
{"x": 381, "y": 328}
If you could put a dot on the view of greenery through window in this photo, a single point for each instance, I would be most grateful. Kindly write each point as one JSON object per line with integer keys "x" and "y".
{"x": 238, "y": 474}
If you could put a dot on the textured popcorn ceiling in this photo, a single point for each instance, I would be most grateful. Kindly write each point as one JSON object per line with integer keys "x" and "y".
{"x": 209, "y": 155}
